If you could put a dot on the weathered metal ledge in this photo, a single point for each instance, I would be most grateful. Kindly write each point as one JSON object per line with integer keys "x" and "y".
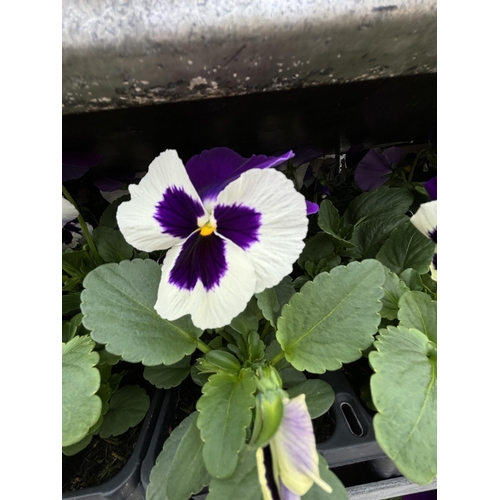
{"x": 129, "y": 53}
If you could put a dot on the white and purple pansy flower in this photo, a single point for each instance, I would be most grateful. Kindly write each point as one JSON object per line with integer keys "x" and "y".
{"x": 425, "y": 219}
{"x": 233, "y": 227}
{"x": 289, "y": 465}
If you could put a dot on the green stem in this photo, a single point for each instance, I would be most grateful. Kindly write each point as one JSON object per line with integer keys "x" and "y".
{"x": 84, "y": 227}
{"x": 278, "y": 357}
{"x": 414, "y": 164}
{"x": 265, "y": 330}
{"x": 203, "y": 347}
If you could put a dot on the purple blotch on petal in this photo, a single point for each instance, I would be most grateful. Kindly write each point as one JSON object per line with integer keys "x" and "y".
{"x": 433, "y": 235}
{"x": 431, "y": 188}
{"x": 178, "y": 213}
{"x": 202, "y": 258}
{"x": 238, "y": 223}
{"x": 212, "y": 170}
{"x": 371, "y": 171}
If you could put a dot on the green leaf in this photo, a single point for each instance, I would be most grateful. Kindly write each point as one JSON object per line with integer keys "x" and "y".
{"x": 371, "y": 234}
{"x": 69, "y": 328}
{"x": 157, "y": 488}
{"x": 384, "y": 200}
{"x": 247, "y": 320}
{"x": 73, "y": 449}
{"x": 187, "y": 473}
{"x": 418, "y": 310}
{"x": 338, "y": 490}
{"x": 333, "y": 319}
{"x": 117, "y": 305}
{"x": 272, "y": 300}
{"x": 243, "y": 484}
{"x": 108, "y": 217}
{"x": 290, "y": 376}
{"x": 225, "y": 413}
{"x": 127, "y": 407}
{"x": 404, "y": 391}
{"x": 111, "y": 244}
{"x": 393, "y": 289}
{"x": 81, "y": 408}
{"x": 70, "y": 303}
{"x": 166, "y": 377}
{"x": 412, "y": 279}
{"x": 320, "y": 246}
{"x": 407, "y": 247}
{"x": 319, "y": 396}
{"x": 331, "y": 223}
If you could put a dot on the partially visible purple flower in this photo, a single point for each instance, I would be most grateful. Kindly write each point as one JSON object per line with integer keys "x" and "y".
{"x": 305, "y": 154}
{"x": 431, "y": 188}
{"x": 69, "y": 212}
{"x": 288, "y": 466}
{"x": 115, "y": 186}
{"x": 374, "y": 169}
{"x": 75, "y": 165}
{"x": 423, "y": 495}
{"x": 425, "y": 219}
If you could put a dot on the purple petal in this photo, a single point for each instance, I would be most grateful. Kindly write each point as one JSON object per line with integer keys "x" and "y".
{"x": 311, "y": 207}
{"x": 178, "y": 213}
{"x": 238, "y": 223}
{"x": 213, "y": 169}
{"x": 202, "y": 258}
{"x": 371, "y": 171}
{"x": 113, "y": 183}
{"x": 305, "y": 154}
{"x": 75, "y": 165}
{"x": 393, "y": 155}
{"x": 431, "y": 188}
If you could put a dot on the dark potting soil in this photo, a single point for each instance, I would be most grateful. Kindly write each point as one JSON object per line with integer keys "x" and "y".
{"x": 104, "y": 458}
{"x": 99, "y": 462}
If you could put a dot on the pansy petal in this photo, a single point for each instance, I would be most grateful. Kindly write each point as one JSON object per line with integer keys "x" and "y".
{"x": 431, "y": 188}
{"x": 213, "y": 169}
{"x": 69, "y": 212}
{"x": 294, "y": 449}
{"x": 189, "y": 269}
{"x": 425, "y": 220}
{"x": 312, "y": 207}
{"x": 163, "y": 208}
{"x": 371, "y": 171}
{"x": 286, "y": 494}
{"x": 75, "y": 165}
{"x": 394, "y": 155}
{"x": 283, "y": 222}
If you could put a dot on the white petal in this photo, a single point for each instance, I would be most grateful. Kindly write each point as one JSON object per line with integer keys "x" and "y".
{"x": 136, "y": 217}
{"x": 217, "y": 307}
{"x": 284, "y": 222}
{"x": 69, "y": 212}
{"x": 425, "y": 219}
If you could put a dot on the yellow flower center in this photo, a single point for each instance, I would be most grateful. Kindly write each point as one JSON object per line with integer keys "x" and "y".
{"x": 207, "y": 229}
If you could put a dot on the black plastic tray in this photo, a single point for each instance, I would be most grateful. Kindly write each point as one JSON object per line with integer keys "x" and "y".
{"x": 127, "y": 485}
